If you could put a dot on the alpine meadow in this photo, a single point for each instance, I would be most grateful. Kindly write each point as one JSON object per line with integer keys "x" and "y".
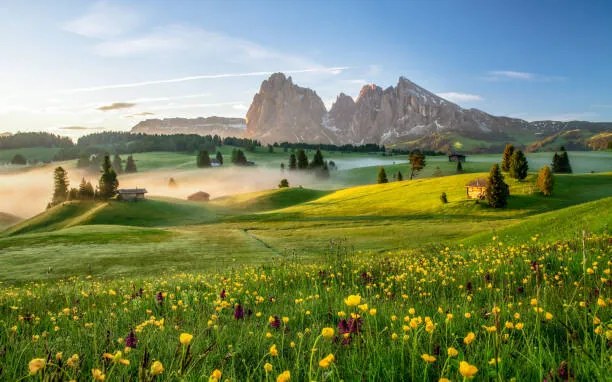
{"x": 256, "y": 191}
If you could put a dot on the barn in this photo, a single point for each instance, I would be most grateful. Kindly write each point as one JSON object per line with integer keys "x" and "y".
{"x": 131, "y": 194}
{"x": 477, "y": 189}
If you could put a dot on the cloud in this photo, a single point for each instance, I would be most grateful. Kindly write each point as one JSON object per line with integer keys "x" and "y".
{"x": 116, "y": 106}
{"x": 104, "y": 20}
{"x": 141, "y": 114}
{"x": 79, "y": 128}
{"x": 513, "y": 75}
{"x": 330, "y": 70}
{"x": 240, "y": 106}
{"x": 563, "y": 117}
{"x": 460, "y": 97}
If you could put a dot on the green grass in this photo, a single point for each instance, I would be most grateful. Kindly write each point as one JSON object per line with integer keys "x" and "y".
{"x": 267, "y": 200}
{"x": 40, "y": 154}
{"x": 7, "y": 220}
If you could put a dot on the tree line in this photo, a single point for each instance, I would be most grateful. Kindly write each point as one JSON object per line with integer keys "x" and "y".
{"x": 299, "y": 162}
{"x": 34, "y": 139}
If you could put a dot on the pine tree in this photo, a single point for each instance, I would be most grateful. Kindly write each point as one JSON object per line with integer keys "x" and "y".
{"x": 282, "y": 167}
{"x": 545, "y": 181}
{"x": 382, "y": 176}
{"x": 60, "y": 190}
{"x": 117, "y": 164}
{"x": 302, "y": 160}
{"x": 220, "y": 158}
{"x": 317, "y": 160}
{"x": 497, "y": 190}
{"x": 292, "y": 162}
{"x": 203, "y": 159}
{"x": 108, "y": 181}
{"x": 172, "y": 183}
{"x": 284, "y": 183}
{"x": 459, "y": 167}
{"x": 73, "y": 194}
{"x": 400, "y": 177}
{"x": 506, "y": 157}
{"x": 130, "y": 165}
{"x": 239, "y": 158}
{"x": 561, "y": 163}
{"x": 86, "y": 191}
{"x": 417, "y": 162}
{"x": 19, "y": 159}
{"x": 518, "y": 165}
{"x": 556, "y": 163}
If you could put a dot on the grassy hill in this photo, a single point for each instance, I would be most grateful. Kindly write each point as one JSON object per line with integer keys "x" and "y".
{"x": 268, "y": 200}
{"x": 7, "y": 220}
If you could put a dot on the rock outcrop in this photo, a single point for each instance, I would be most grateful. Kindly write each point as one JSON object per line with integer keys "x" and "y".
{"x": 223, "y": 127}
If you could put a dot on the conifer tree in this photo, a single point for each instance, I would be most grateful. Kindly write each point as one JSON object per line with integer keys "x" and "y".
{"x": 518, "y": 165}
{"x": 302, "y": 160}
{"x": 130, "y": 165}
{"x": 545, "y": 181}
{"x": 108, "y": 181}
{"x": 382, "y": 176}
{"x": 417, "y": 162}
{"x": 60, "y": 189}
{"x": 220, "y": 158}
{"x": 86, "y": 191}
{"x": 400, "y": 177}
{"x": 203, "y": 159}
{"x": 292, "y": 162}
{"x": 284, "y": 183}
{"x": 561, "y": 164}
{"x": 506, "y": 157}
{"x": 282, "y": 167}
{"x": 117, "y": 164}
{"x": 459, "y": 167}
{"x": 317, "y": 160}
{"x": 497, "y": 191}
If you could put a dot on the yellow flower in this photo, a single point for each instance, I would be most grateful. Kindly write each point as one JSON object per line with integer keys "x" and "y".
{"x": 98, "y": 375}
{"x": 73, "y": 361}
{"x": 273, "y": 351}
{"x": 157, "y": 368}
{"x": 494, "y": 361}
{"x": 452, "y": 352}
{"x": 467, "y": 370}
{"x": 327, "y": 333}
{"x": 363, "y": 307}
{"x": 469, "y": 338}
{"x": 548, "y": 316}
{"x": 428, "y": 358}
{"x": 117, "y": 358}
{"x": 268, "y": 367}
{"x": 353, "y": 300}
{"x": 36, "y": 365}
{"x": 373, "y": 312}
{"x": 285, "y": 376}
{"x": 327, "y": 361}
{"x": 444, "y": 380}
{"x": 185, "y": 338}
{"x": 519, "y": 326}
{"x": 394, "y": 336}
{"x": 285, "y": 320}
{"x": 601, "y": 302}
{"x": 215, "y": 376}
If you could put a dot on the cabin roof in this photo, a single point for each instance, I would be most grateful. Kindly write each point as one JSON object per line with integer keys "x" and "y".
{"x": 456, "y": 155}
{"x": 132, "y": 191}
{"x": 480, "y": 182}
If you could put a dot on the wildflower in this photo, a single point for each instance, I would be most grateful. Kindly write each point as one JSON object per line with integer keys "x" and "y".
{"x": 327, "y": 361}
{"x": 268, "y": 367}
{"x": 273, "y": 351}
{"x": 98, "y": 375}
{"x": 428, "y": 358}
{"x": 519, "y": 326}
{"x": 185, "y": 338}
{"x": 131, "y": 341}
{"x": 117, "y": 358}
{"x": 373, "y": 312}
{"x": 285, "y": 320}
{"x": 238, "y": 312}
{"x": 601, "y": 302}
{"x": 494, "y": 361}
{"x": 159, "y": 297}
{"x": 157, "y": 368}
{"x": 394, "y": 336}
{"x": 452, "y": 352}
{"x": 467, "y": 370}
{"x": 469, "y": 338}
{"x": 36, "y": 365}
{"x": 444, "y": 380}
{"x": 285, "y": 376}
{"x": 222, "y": 295}
{"x": 73, "y": 361}
{"x": 548, "y": 316}
{"x": 215, "y": 376}
{"x": 353, "y": 300}
{"x": 274, "y": 322}
{"x": 327, "y": 333}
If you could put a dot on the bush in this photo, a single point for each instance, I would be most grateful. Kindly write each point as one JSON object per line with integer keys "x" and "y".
{"x": 284, "y": 183}
{"x": 443, "y": 198}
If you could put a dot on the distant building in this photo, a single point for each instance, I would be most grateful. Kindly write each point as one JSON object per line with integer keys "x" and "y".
{"x": 214, "y": 163}
{"x": 132, "y": 194}
{"x": 456, "y": 157}
{"x": 477, "y": 189}
{"x": 199, "y": 196}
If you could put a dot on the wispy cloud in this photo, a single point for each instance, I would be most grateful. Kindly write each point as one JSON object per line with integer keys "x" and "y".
{"x": 329, "y": 70}
{"x": 104, "y": 20}
{"x": 514, "y": 75}
{"x": 460, "y": 97}
{"x": 563, "y": 117}
{"x": 79, "y": 128}
{"x": 116, "y": 106}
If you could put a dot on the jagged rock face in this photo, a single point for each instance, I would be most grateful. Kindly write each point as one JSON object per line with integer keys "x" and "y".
{"x": 282, "y": 111}
{"x": 223, "y": 127}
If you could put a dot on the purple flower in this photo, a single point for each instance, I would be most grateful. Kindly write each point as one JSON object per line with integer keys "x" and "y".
{"x": 131, "y": 341}
{"x": 275, "y": 322}
{"x": 238, "y": 312}
{"x": 223, "y": 294}
{"x": 159, "y": 297}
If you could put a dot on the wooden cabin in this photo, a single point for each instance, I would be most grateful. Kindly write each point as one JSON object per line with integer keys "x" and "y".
{"x": 131, "y": 194}
{"x": 477, "y": 189}
{"x": 455, "y": 157}
{"x": 199, "y": 196}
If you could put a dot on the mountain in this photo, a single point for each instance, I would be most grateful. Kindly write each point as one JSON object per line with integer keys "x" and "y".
{"x": 224, "y": 127}
{"x": 406, "y": 115}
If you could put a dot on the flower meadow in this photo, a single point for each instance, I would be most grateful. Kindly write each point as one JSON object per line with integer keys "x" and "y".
{"x": 525, "y": 312}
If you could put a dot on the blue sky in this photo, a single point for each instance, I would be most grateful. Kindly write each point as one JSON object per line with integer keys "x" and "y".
{"x": 64, "y": 60}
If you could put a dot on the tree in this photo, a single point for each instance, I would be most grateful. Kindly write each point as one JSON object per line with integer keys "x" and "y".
{"x": 382, "y": 176}
{"x": 117, "y": 164}
{"x": 284, "y": 183}
{"x": 518, "y": 165}
{"x": 282, "y": 167}
{"x": 545, "y": 181}
{"x": 238, "y": 158}
{"x": 270, "y": 149}
{"x": 443, "y": 198}
{"x": 459, "y": 167}
{"x": 317, "y": 160}
{"x": 86, "y": 191}
{"x": 400, "y": 177}
{"x": 130, "y": 165}
{"x": 203, "y": 159}
{"x": 172, "y": 183}
{"x": 302, "y": 160}
{"x": 19, "y": 159}
{"x": 220, "y": 158}
{"x": 108, "y": 183}
{"x": 417, "y": 162}
{"x": 506, "y": 157}
{"x": 73, "y": 194}
{"x": 292, "y": 162}
{"x": 60, "y": 189}
{"x": 561, "y": 164}
{"x": 497, "y": 190}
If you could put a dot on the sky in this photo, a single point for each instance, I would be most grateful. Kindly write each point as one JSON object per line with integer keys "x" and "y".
{"x": 76, "y": 67}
